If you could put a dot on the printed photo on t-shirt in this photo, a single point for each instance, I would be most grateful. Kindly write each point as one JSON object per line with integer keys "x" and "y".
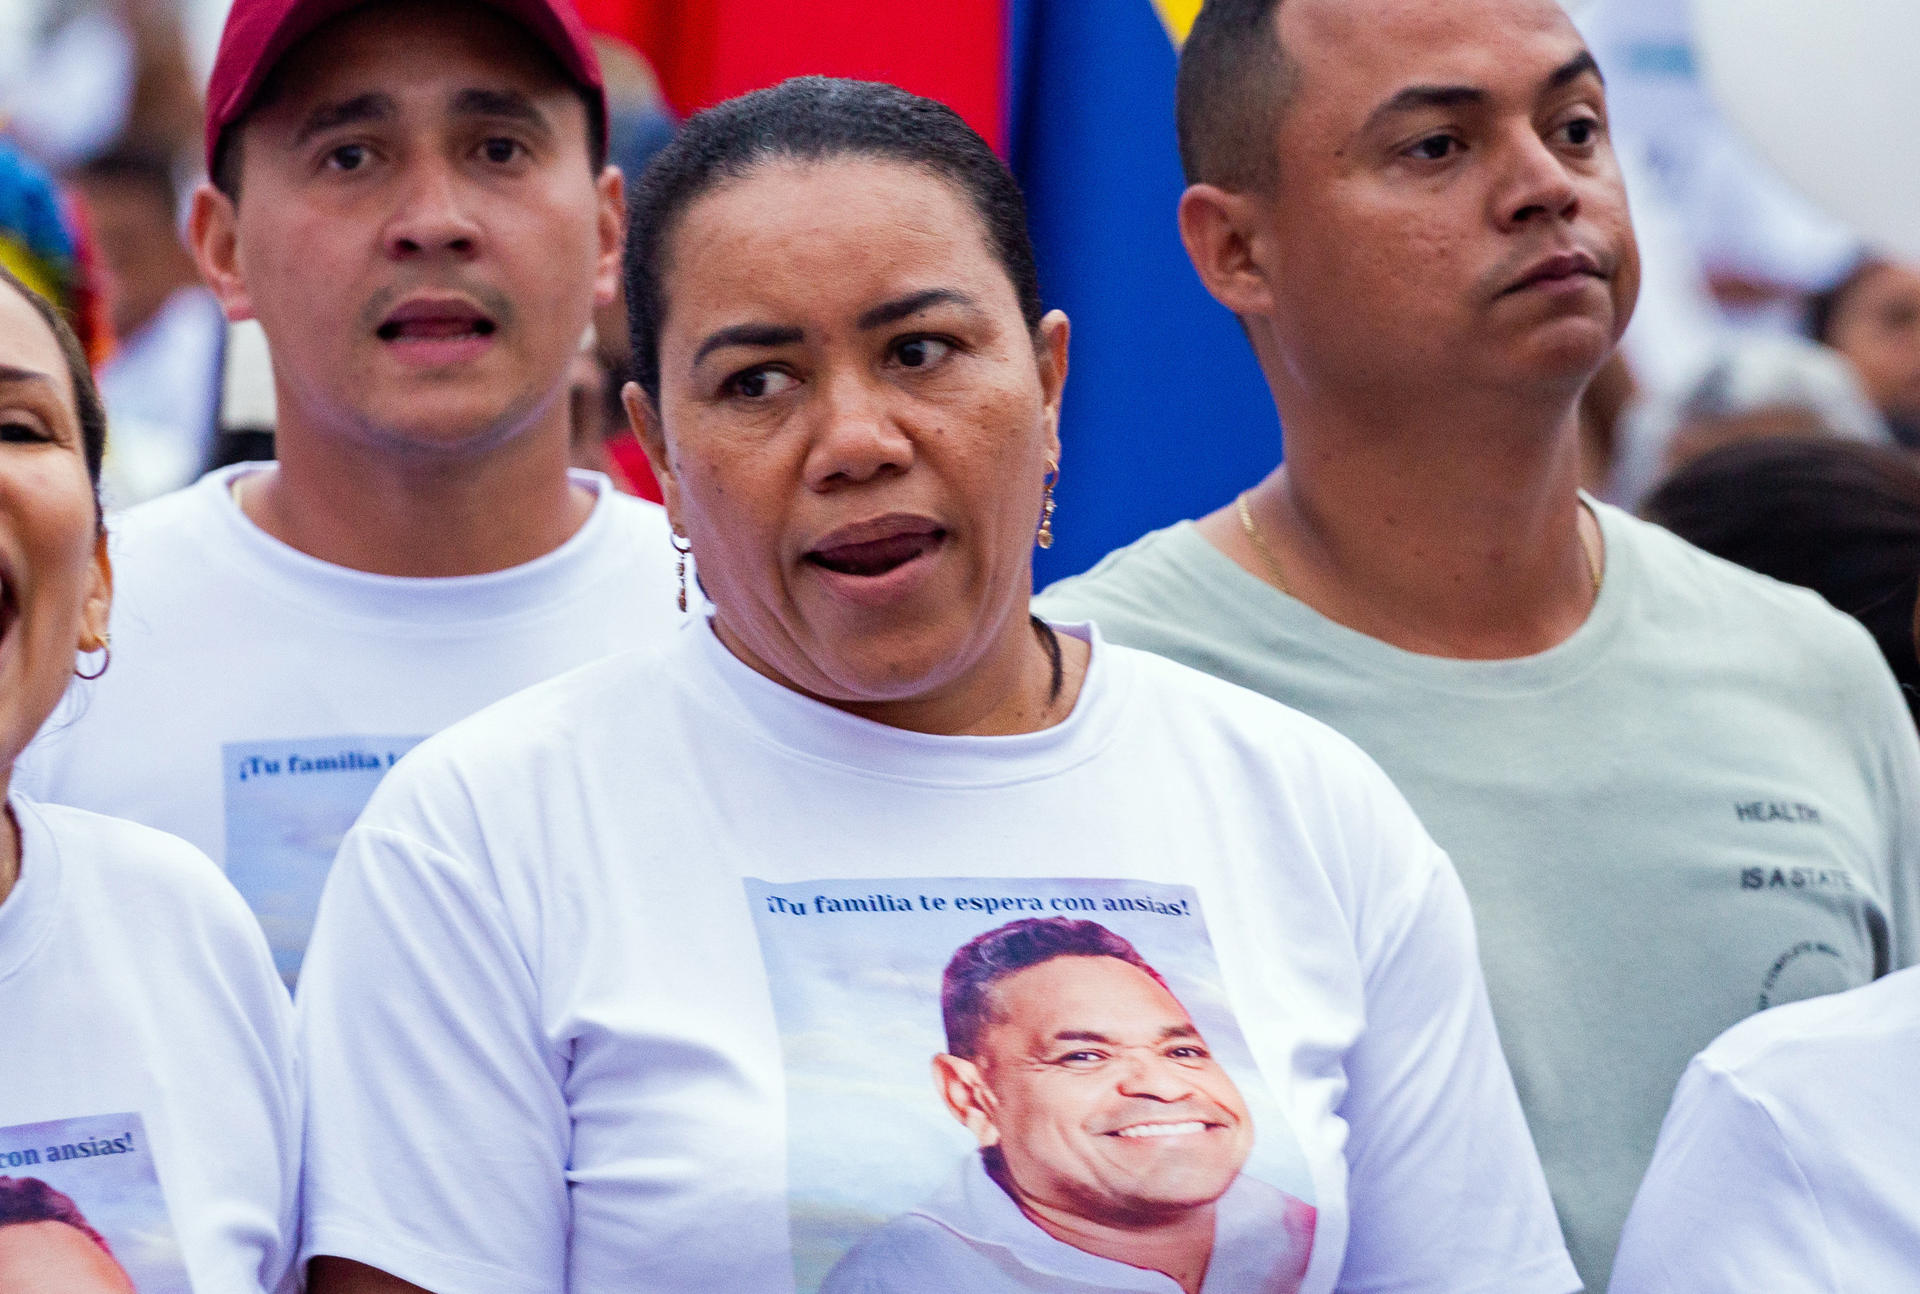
{"x": 288, "y": 804}
{"x": 1015, "y": 1085}
{"x": 81, "y": 1211}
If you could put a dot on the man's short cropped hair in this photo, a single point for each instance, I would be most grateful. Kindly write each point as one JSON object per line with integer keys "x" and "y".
{"x": 966, "y": 1001}
{"x": 1234, "y": 83}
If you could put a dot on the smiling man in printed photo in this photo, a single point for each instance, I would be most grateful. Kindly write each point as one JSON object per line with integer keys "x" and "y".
{"x": 1111, "y": 1141}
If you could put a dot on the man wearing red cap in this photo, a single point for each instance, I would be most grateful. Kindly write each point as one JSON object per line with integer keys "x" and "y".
{"x": 411, "y": 198}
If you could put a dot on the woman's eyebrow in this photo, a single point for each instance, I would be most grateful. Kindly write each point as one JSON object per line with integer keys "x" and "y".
{"x": 11, "y": 376}
{"x": 894, "y": 311}
{"x": 887, "y": 312}
{"x": 765, "y": 335}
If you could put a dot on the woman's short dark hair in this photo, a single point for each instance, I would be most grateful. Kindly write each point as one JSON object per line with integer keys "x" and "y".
{"x": 812, "y": 119}
{"x": 1838, "y": 517}
{"x": 86, "y": 396}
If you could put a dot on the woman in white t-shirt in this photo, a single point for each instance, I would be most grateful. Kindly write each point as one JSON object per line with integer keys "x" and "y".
{"x": 149, "y": 1122}
{"x": 1786, "y": 1162}
{"x": 876, "y": 935}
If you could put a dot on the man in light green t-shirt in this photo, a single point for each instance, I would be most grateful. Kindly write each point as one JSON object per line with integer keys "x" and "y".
{"x": 1677, "y": 792}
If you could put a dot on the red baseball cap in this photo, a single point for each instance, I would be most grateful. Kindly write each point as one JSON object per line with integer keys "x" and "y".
{"x": 260, "y": 32}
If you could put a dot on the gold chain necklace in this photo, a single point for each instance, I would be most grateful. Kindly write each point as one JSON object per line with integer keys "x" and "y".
{"x": 1268, "y": 560}
{"x": 1260, "y": 545}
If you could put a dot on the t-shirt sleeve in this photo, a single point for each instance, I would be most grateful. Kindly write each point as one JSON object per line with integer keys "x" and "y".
{"x": 241, "y": 1032}
{"x": 1898, "y": 777}
{"x": 1446, "y": 1191}
{"x": 437, "y": 1129}
{"x": 1725, "y": 1208}
{"x": 273, "y": 1016}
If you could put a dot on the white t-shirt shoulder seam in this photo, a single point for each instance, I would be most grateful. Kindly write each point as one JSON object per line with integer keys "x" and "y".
{"x": 1399, "y": 923}
{"x": 171, "y": 870}
{"x": 1719, "y": 1076}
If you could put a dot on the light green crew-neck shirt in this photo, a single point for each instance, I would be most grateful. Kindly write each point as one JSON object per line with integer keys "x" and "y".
{"x": 1701, "y": 804}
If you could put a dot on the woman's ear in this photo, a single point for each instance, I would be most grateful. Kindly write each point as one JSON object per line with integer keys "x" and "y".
{"x": 1050, "y": 352}
{"x": 645, "y": 421}
{"x": 95, "y": 613}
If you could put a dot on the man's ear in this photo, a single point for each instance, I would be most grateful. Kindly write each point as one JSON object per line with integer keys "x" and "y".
{"x": 1221, "y": 233}
{"x": 213, "y": 234}
{"x": 967, "y": 1097}
{"x": 94, "y": 615}
{"x": 611, "y": 225}
{"x": 645, "y": 422}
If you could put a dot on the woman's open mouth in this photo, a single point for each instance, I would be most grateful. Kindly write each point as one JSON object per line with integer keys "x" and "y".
{"x": 877, "y": 556}
{"x": 873, "y": 563}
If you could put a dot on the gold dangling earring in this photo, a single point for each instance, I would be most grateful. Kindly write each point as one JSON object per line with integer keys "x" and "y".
{"x": 681, "y": 545}
{"x": 1044, "y": 537}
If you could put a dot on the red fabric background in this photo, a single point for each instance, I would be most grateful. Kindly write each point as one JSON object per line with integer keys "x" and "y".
{"x": 708, "y": 50}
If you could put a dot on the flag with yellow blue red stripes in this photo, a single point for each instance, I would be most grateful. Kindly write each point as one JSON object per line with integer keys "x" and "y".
{"x": 1167, "y": 415}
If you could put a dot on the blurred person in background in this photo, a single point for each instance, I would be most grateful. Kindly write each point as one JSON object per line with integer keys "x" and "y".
{"x": 45, "y": 243}
{"x": 1729, "y": 250}
{"x": 639, "y": 125}
{"x": 80, "y": 78}
{"x": 1760, "y": 245}
{"x": 1786, "y": 1161}
{"x": 1840, "y": 518}
{"x": 1756, "y": 387}
{"x": 1873, "y": 319}
{"x": 1413, "y": 207}
{"x": 411, "y": 199}
{"x": 162, "y": 384}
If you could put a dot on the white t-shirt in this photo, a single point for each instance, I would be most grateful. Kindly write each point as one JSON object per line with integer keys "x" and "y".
{"x": 149, "y": 1072}
{"x": 973, "y": 1237}
{"x": 1788, "y": 1161}
{"x": 633, "y": 980}
{"x": 257, "y": 694}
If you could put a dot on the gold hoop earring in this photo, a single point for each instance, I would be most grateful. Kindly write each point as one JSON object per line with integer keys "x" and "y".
{"x": 1044, "y": 536}
{"x": 681, "y": 545}
{"x": 106, "y": 659}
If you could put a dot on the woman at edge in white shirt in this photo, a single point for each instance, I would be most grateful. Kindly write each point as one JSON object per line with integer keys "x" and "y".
{"x": 145, "y": 1028}
{"x": 541, "y": 1033}
{"x": 1786, "y": 1162}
